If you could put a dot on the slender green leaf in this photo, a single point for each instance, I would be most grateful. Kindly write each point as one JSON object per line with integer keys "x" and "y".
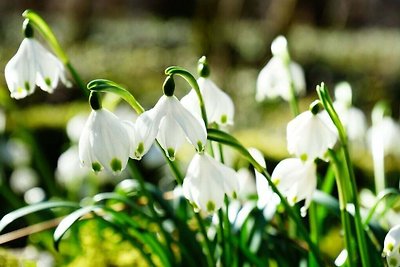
{"x": 68, "y": 221}
{"x": 12, "y": 216}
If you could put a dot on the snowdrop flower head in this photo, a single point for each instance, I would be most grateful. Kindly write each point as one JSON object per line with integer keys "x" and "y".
{"x": 219, "y": 106}
{"x": 207, "y": 182}
{"x": 173, "y": 123}
{"x": 33, "y": 65}
{"x": 384, "y": 135}
{"x": 309, "y": 135}
{"x": 352, "y": 118}
{"x": 280, "y": 74}
{"x": 104, "y": 142}
{"x": 391, "y": 247}
{"x": 297, "y": 180}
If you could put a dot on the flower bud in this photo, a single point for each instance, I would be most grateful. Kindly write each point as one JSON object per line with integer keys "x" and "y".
{"x": 169, "y": 86}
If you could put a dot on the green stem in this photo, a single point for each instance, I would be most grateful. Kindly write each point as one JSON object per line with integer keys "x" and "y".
{"x": 314, "y": 231}
{"x": 342, "y": 204}
{"x": 78, "y": 80}
{"x": 328, "y": 105}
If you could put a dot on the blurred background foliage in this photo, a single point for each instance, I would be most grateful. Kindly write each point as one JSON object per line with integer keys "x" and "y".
{"x": 131, "y": 42}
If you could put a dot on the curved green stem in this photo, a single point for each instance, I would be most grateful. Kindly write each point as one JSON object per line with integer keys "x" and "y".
{"x": 107, "y": 86}
{"x": 328, "y": 105}
{"x": 224, "y": 138}
{"x": 47, "y": 33}
{"x": 175, "y": 70}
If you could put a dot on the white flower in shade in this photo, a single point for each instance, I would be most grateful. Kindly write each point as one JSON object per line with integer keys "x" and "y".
{"x": 309, "y": 136}
{"x": 280, "y": 73}
{"x": 297, "y": 180}
{"x": 219, "y": 106}
{"x": 383, "y": 137}
{"x": 267, "y": 199}
{"x": 352, "y": 118}
{"x": 172, "y": 123}
{"x": 33, "y": 65}
{"x": 391, "y": 247}
{"x": 207, "y": 182}
{"x": 104, "y": 142}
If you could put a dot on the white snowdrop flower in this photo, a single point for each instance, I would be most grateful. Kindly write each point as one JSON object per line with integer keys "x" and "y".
{"x": 207, "y": 181}
{"x": 384, "y": 135}
{"x": 352, "y": 118}
{"x": 75, "y": 126}
{"x": 33, "y": 65}
{"x": 34, "y": 195}
{"x": 219, "y": 106}
{"x": 104, "y": 142}
{"x": 68, "y": 171}
{"x": 391, "y": 247}
{"x": 309, "y": 135}
{"x": 247, "y": 184}
{"x": 22, "y": 179}
{"x": 17, "y": 153}
{"x": 175, "y": 124}
{"x": 297, "y": 180}
{"x": 267, "y": 199}
{"x": 276, "y": 78}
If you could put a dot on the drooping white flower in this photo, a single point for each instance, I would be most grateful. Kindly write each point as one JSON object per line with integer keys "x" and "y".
{"x": 277, "y": 77}
{"x": 352, "y": 118}
{"x": 219, "y": 106}
{"x": 207, "y": 181}
{"x": 104, "y": 142}
{"x": 309, "y": 136}
{"x": 383, "y": 137}
{"x": 172, "y": 123}
{"x": 267, "y": 199}
{"x": 33, "y": 65}
{"x": 391, "y": 247}
{"x": 297, "y": 180}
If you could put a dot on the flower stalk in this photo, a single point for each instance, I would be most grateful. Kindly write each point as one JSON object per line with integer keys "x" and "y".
{"x": 349, "y": 188}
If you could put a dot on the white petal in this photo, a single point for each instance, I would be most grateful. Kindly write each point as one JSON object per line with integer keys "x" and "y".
{"x": 194, "y": 129}
{"x": 146, "y": 126}
{"x": 170, "y": 135}
{"x": 49, "y": 68}
{"x": 191, "y": 103}
{"x": 218, "y": 104}
{"x": 86, "y": 143}
{"x": 309, "y": 137}
{"x": 20, "y": 71}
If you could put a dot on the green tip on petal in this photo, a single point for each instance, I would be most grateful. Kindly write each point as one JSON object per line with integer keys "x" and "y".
{"x": 139, "y": 150}
{"x": 200, "y": 146}
{"x": 96, "y": 166}
{"x": 171, "y": 153}
{"x": 276, "y": 181}
{"x": 234, "y": 195}
{"x": 303, "y": 157}
{"x": 27, "y": 86}
{"x": 47, "y": 81}
{"x": 210, "y": 206}
{"x": 116, "y": 165}
{"x": 393, "y": 262}
{"x": 224, "y": 119}
{"x": 389, "y": 247}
